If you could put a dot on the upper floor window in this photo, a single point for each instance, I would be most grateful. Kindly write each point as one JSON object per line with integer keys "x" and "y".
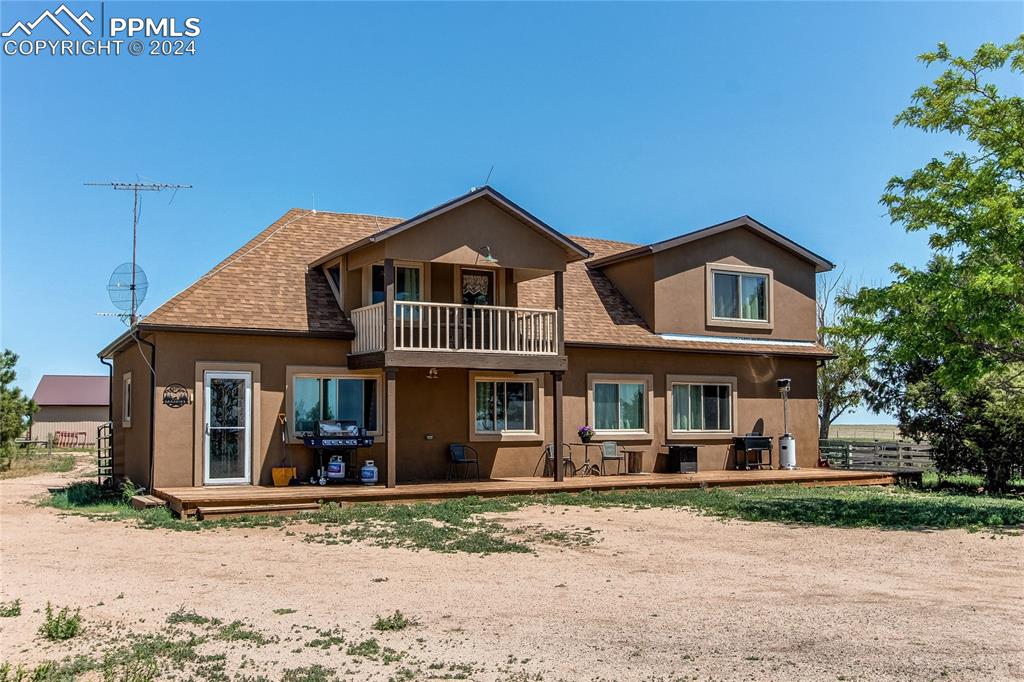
{"x": 408, "y": 283}
{"x": 740, "y": 294}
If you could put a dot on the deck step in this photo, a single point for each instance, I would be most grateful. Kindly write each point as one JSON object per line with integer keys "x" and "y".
{"x": 220, "y": 512}
{"x": 146, "y": 502}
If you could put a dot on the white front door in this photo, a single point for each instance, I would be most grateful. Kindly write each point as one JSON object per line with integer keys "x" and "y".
{"x": 227, "y": 443}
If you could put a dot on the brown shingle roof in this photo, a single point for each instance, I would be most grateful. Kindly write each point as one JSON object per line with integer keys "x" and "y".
{"x": 265, "y": 287}
{"x": 69, "y": 389}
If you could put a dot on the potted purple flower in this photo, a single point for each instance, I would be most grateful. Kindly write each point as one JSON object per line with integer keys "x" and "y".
{"x": 585, "y": 433}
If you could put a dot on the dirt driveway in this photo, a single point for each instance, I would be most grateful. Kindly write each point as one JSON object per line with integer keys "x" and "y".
{"x": 660, "y": 595}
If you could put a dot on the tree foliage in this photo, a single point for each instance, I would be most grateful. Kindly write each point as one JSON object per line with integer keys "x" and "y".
{"x": 841, "y": 380}
{"x": 15, "y": 407}
{"x": 948, "y": 356}
{"x": 965, "y": 308}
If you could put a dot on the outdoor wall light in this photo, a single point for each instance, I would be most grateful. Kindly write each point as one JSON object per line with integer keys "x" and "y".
{"x": 489, "y": 258}
{"x": 432, "y": 373}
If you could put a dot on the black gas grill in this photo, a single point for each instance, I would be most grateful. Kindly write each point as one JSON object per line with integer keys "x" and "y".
{"x": 750, "y": 451}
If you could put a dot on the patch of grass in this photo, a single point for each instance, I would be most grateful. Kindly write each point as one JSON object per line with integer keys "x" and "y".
{"x": 88, "y": 499}
{"x": 368, "y": 648}
{"x": 311, "y": 673}
{"x": 10, "y": 609}
{"x": 62, "y": 625}
{"x": 283, "y": 612}
{"x": 237, "y": 631}
{"x": 29, "y": 462}
{"x": 190, "y": 617}
{"x": 396, "y": 621}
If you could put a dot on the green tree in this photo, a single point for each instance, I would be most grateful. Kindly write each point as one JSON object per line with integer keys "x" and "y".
{"x": 841, "y": 380}
{"x": 15, "y": 407}
{"x": 965, "y": 308}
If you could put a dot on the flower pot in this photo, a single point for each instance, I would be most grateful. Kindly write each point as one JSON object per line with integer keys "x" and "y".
{"x": 586, "y": 439}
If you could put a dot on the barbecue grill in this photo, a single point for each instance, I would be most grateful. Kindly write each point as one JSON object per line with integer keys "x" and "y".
{"x": 336, "y": 437}
{"x": 750, "y": 451}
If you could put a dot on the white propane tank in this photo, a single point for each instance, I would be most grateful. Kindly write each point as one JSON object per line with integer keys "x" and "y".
{"x": 368, "y": 473}
{"x": 787, "y": 452}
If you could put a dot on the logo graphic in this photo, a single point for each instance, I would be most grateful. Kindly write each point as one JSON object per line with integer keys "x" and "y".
{"x": 27, "y": 28}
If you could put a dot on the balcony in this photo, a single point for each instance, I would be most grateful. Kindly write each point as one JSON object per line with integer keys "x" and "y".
{"x": 445, "y": 334}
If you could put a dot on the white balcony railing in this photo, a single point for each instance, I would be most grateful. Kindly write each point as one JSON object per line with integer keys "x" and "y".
{"x": 446, "y": 327}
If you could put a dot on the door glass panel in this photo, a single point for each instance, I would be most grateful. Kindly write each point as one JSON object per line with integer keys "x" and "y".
{"x": 227, "y": 403}
{"x": 477, "y": 287}
{"x": 227, "y": 453}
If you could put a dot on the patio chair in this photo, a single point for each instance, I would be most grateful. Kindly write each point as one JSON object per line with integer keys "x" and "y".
{"x": 462, "y": 455}
{"x": 568, "y": 468}
{"x": 610, "y": 452}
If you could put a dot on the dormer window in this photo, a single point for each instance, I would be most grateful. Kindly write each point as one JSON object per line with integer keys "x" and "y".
{"x": 739, "y": 295}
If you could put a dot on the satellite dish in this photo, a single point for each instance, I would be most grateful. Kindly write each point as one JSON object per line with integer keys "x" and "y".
{"x": 124, "y": 280}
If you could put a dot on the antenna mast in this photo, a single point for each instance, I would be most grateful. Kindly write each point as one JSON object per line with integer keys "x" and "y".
{"x": 135, "y": 188}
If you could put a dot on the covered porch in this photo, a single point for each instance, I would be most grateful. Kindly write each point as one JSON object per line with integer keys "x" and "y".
{"x": 212, "y": 502}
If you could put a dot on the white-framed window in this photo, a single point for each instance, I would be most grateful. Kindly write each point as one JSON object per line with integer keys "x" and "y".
{"x": 739, "y": 294}
{"x": 505, "y": 407}
{"x": 349, "y": 398}
{"x": 619, "y": 405}
{"x": 700, "y": 405}
{"x": 126, "y": 399}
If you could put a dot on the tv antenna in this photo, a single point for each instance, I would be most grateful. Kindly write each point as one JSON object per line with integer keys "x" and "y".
{"x": 128, "y": 284}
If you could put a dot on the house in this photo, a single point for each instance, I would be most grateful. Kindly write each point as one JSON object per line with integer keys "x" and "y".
{"x": 473, "y": 322}
{"x": 70, "y": 404}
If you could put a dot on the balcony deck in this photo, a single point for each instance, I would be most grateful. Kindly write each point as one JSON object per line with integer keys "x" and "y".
{"x": 450, "y": 335}
{"x": 211, "y": 501}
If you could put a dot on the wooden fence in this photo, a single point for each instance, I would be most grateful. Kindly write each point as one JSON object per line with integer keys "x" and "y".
{"x": 877, "y": 456}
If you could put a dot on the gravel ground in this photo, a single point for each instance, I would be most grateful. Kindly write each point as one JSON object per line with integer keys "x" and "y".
{"x": 660, "y": 595}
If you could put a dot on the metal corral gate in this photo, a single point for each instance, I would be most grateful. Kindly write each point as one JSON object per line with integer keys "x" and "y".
{"x": 877, "y": 456}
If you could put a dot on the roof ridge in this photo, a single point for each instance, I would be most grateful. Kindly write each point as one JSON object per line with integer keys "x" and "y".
{"x": 358, "y": 215}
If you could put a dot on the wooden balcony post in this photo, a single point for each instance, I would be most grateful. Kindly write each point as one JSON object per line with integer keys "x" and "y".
{"x": 559, "y": 312}
{"x": 389, "y": 304}
{"x": 556, "y": 417}
{"x": 390, "y": 427}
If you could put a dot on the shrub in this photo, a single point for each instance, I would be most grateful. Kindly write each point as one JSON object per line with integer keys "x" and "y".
{"x": 84, "y": 493}
{"x": 64, "y": 625}
{"x": 10, "y": 609}
{"x": 129, "y": 490}
{"x": 394, "y": 622}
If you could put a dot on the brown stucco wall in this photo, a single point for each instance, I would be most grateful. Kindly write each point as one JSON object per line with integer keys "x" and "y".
{"x": 680, "y": 286}
{"x": 635, "y": 279}
{"x": 131, "y": 444}
{"x": 440, "y": 408}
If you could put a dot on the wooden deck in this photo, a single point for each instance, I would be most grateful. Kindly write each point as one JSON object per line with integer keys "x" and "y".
{"x": 239, "y": 499}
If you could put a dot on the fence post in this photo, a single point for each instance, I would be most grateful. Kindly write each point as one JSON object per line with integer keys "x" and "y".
{"x": 849, "y": 455}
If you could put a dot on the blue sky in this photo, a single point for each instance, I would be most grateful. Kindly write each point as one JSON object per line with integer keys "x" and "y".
{"x": 625, "y": 121}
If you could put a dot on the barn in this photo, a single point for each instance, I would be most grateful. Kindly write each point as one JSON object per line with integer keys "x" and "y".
{"x": 71, "y": 408}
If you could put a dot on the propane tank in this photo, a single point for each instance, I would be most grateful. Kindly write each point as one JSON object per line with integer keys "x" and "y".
{"x": 368, "y": 473}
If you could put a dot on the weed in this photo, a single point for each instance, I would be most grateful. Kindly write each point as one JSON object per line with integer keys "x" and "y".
{"x": 236, "y": 631}
{"x": 312, "y": 673}
{"x": 10, "y": 609}
{"x": 368, "y": 648}
{"x": 283, "y": 612}
{"x": 62, "y": 625}
{"x": 396, "y": 621}
{"x": 190, "y": 617}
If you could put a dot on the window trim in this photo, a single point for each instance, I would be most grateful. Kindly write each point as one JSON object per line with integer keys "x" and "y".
{"x": 127, "y": 395}
{"x": 730, "y": 269}
{"x": 422, "y": 266}
{"x": 338, "y": 290}
{"x": 293, "y": 372}
{"x": 701, "y": 379}
{"x": 621, "y": 434}
{"x": 507, "y": 436}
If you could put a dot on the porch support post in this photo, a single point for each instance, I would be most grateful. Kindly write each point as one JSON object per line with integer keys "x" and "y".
{"x": 556, "y": 418}
{"x": 560, "y": 312}
{"x": 389, "y": 304}
{"x": 390, "y": 430}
